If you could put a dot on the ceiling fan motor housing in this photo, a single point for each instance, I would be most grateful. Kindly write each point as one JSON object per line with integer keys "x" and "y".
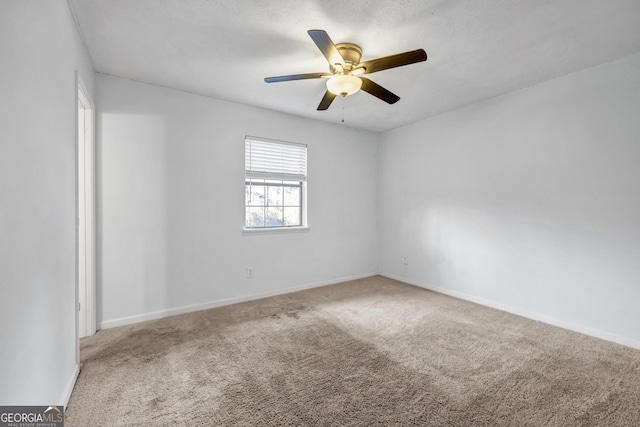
{"x": 351, "y": 53}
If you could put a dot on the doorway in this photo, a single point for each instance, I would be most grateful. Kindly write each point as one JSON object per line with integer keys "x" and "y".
{"x": 86, "y": 224}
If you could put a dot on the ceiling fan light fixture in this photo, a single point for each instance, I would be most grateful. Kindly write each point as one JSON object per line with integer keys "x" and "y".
{"x": 343, "y": 84}
{"x": 345, "y": 67}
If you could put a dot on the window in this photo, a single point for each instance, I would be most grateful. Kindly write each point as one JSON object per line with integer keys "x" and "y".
{"x": 275, "y": 183}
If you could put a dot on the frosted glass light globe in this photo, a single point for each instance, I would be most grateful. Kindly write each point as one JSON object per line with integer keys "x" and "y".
{"x": 343, "y": 84}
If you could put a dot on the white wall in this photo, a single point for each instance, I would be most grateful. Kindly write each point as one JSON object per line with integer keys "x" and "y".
{"x": 529, "y": 201}
{"x": 171, "y": 191}
{"x": 40, "y": 51}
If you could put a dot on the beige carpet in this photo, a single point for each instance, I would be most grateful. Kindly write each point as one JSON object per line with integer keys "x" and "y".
{"x": 362, "y": 353}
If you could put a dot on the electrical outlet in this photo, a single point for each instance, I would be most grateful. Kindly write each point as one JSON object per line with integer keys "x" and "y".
{"x": 405, "y": 260}
{"x": 249, "y": 272}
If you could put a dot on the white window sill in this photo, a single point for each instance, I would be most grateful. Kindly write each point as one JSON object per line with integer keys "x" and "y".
{"x": 274, "y": 230}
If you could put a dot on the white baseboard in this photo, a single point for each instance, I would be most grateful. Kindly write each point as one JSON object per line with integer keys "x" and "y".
{"x": 219, "y": 303}
{"x": 629, "y": 342}
{"x": 66, "y": 393}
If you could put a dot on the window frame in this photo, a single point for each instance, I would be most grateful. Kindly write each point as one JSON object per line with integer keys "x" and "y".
{"x": 266, "y": 183}
{"x": 276, "y": 178}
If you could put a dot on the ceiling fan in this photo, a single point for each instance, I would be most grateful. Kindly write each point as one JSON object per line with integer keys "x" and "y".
{"x": 346, "y": 69}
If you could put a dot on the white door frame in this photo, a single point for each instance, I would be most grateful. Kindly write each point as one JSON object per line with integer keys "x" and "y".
{"x": 85, "y": 215}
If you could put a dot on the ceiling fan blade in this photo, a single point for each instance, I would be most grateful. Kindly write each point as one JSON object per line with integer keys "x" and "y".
{"x": 327, "y": 99}
{"x": 378, "y": 91}
{"x": 326, "y": 46}
{"x": 295, "y": 77}
{"x": 392, "y": 61}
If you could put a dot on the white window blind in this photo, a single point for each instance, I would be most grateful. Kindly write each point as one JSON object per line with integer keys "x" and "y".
{"x": 269, "y": 159}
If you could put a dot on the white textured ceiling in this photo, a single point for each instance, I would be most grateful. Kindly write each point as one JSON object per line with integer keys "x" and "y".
{"x": 477, "y": 49}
